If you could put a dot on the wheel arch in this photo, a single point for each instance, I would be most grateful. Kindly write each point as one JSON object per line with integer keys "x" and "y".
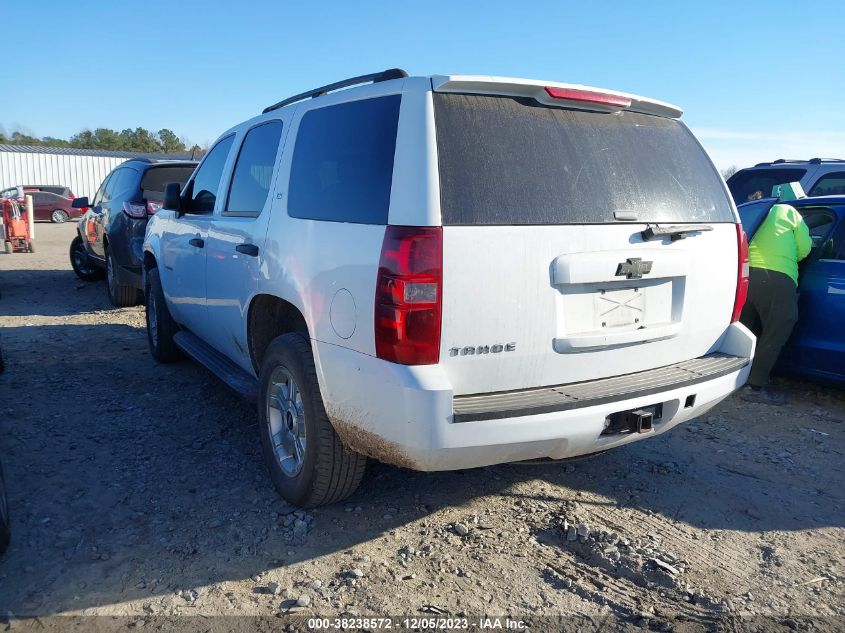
{"x": 270, "y": 316}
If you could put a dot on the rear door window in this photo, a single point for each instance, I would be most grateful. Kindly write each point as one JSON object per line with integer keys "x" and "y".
{"x": 342, "y": 167}
{"x": 123, "y": 184}
{"x": 512, "y": 161}
{"x": 753, "y": 184}
{"x": 254, "y": 170}
{"x": 832, "y": 184}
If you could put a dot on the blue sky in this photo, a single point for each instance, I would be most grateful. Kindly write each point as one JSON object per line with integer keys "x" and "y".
{"x": 757, "y": 80}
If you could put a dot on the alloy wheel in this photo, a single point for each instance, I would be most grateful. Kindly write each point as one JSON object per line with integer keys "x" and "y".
{"x": 286, "y": 419}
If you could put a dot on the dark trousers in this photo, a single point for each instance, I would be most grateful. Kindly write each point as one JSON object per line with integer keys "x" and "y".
{"x": 770, "y": 312}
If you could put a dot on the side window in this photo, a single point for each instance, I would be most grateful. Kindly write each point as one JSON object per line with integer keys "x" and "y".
{"x": 254, "y": 170}
{"x": 342, "y": 167}
{"x": 111, "y": 185}
{"x": 98, "y": 197}
{"x": 821, "y": 222}
{"x": 829, "y": 185}
{"x": 122, "y": 185}
{"x": 203, "y": 188}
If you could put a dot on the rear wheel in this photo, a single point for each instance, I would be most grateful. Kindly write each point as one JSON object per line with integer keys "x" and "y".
{"x": 59, "y": 216}
{"x": 308, "y": 463}
{"x": 81, "y": 263}
{"x": 160, "y": 325}
{"x": 121, "y": 295}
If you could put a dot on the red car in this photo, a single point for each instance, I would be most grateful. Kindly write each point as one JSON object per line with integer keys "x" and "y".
{"x": 51, "y": 203}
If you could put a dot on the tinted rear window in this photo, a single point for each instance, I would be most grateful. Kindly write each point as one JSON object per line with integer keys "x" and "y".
{"x": 343, "y": 162}
{"x": 156, "y": 178}
{"x": 507, "y": 160}
{"x": 753, "y": 184}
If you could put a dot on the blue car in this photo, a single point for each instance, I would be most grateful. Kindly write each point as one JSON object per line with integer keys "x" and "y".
{"x": 816, "y": 348}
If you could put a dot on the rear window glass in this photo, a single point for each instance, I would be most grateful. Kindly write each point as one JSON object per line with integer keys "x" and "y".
{"x": 508, "y": 160}
{"x": 753, "y": 184}
{"x": 156, "y": 178}
{"x": 342, "y": 166}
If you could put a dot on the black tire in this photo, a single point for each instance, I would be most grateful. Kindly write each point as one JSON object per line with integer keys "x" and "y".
{"x": 120, "y": 295}
{"x": 82, "y": 265}
{"x": 5, "y": 529}
{"x": 30, "y": 246}
{"x": 329, "y": 471}
{"x": 160, "y": 325}
{"x": 59, "y": 216}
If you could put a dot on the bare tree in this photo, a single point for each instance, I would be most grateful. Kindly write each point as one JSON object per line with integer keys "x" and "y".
{"x": 727, "y": 172}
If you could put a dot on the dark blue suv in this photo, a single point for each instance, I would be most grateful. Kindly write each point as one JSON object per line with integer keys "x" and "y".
{"x": 111, "y": 233}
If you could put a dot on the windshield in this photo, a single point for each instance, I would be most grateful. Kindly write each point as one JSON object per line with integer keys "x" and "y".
{"x": 510, "y": 160}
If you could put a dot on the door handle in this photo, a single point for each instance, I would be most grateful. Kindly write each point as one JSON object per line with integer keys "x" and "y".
{"x": 197, "y": 241}
{"x": 247, "y": 249}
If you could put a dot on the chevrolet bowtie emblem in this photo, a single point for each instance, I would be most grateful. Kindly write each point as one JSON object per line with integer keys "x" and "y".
{"x": 633, "y": 268}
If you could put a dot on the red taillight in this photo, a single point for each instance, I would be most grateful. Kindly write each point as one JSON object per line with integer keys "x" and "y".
{"x": 135, "y": 209}
{"x": 408, "y": 295}
{"x": 589, "y": 96}
{"x": 742, "y": 273}
{"x": 154, "y": 206}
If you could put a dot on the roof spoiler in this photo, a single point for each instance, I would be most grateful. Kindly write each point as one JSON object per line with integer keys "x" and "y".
{"x": 555, "y": 94}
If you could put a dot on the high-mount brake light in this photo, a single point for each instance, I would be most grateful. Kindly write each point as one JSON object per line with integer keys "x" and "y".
{"x": 408, "y": 295}
{"x": 743, "y": 271}
{"x": 588, "y": 96}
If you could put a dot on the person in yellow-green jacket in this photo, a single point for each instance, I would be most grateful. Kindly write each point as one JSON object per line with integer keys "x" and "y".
{"x": 771, "y": 309}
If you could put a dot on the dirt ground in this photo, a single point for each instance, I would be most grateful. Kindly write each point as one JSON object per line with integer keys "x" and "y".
{"x": 137, "y": 490}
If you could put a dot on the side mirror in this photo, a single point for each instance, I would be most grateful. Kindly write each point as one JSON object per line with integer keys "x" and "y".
{"x": 172, "y": 197}
{"x": 79, "y": 203}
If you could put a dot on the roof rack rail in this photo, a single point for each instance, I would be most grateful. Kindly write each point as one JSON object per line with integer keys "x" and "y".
{"x": 816, "y": 161}
{"x": 385, "y": 75}
{"x": 780, "y": 161}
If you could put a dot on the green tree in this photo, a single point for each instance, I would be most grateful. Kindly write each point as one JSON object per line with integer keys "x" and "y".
{"x": 139, "y": 140}
{"x": 83, "y": 139}
{"x": 105, "y": 138}
{"x": 170, "y": 143}
{"x": 20, "y": 138}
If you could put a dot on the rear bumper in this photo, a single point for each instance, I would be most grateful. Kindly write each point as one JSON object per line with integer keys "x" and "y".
{"x": 126, "y": 242}
{"x": 408, "y": 415}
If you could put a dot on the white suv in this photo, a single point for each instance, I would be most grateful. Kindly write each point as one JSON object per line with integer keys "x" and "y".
{"x": 453, "y": 271}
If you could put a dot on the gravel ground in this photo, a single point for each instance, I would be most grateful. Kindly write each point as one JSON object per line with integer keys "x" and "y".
{"x": 137, "y": 491}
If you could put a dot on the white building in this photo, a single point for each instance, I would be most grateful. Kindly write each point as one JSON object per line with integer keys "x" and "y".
{"x": 80, "y": 169}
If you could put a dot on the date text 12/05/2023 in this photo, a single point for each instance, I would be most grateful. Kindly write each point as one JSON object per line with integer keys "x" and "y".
{"x": 417, "y": 623}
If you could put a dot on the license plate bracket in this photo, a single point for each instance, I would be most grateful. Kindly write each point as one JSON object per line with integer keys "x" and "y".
{"x": 619, "y": 308}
